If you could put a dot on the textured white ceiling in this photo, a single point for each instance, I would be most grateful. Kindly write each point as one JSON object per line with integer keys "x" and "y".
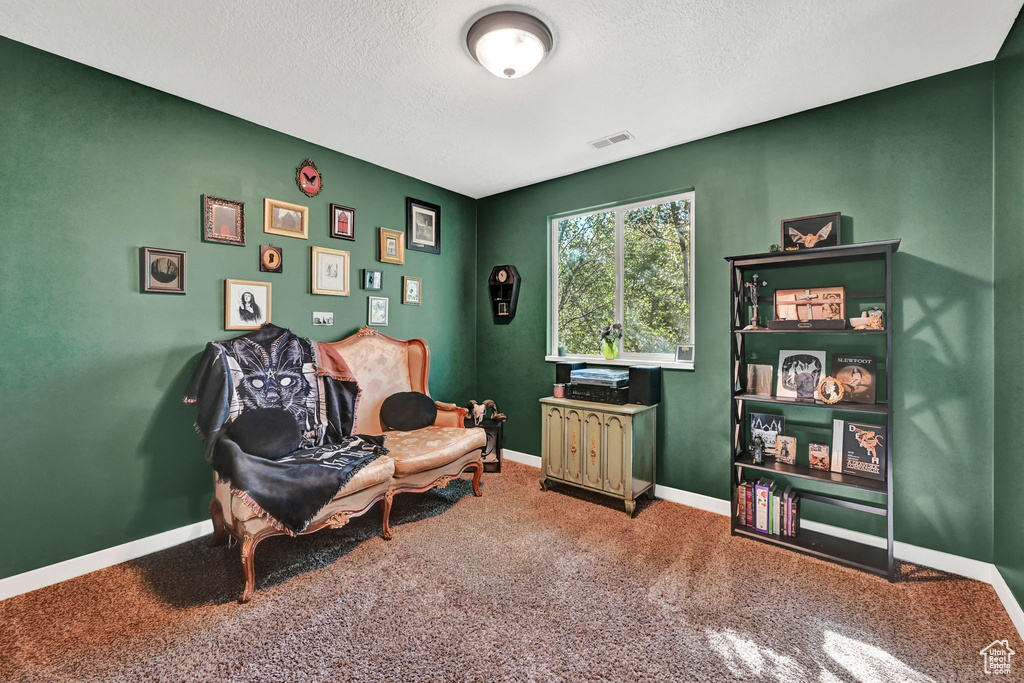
{"x": 392, "y": 83}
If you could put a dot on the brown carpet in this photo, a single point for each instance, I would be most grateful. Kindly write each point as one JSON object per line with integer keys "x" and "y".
{"x": 518, "y": 585}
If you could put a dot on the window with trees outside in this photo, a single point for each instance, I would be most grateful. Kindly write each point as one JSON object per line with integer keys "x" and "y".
{"x": 629, "y": 264}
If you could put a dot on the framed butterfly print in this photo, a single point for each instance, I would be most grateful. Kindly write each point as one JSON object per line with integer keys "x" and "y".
{"x": 308, "y": 178}
{"x": 811, "y": 232}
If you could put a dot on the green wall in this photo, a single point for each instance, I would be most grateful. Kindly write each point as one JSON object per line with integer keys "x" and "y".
{"x": 913, "y": 162}
{"x": 1009, "y": 307}
{"x": 98, "y": 448}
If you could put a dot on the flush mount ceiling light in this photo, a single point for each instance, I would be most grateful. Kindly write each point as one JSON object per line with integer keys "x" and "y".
{"x": 509, "y": 44}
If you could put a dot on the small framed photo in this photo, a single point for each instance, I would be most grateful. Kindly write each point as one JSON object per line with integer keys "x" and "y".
{"x": 377, "y": 313}
{"x": 246, "y": 304}
{"x": 271, "y": 259}
{"x": 323, "y": 318}
{"x": 330, "y": 271}
{"x": 412, "y": 290}
{"x": 373, "y": 279}
{"x": 161, "y": 271}
{"x": 287, "y": 220}
{"x": 423, "y": 226}
{"x": 785, "y": 449}
{"x": 223, "y": 220}
{"x": 684, "y": 353}
{"x": 392, "y": 246}
{"x": 811, "y": 231}
{"x": 343, "y": 222}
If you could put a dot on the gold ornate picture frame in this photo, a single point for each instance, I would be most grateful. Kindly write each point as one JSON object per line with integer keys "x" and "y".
{"x": 391, "y": 246}
{"x": 223, "y": 221}
{"x": 285, "y": 219}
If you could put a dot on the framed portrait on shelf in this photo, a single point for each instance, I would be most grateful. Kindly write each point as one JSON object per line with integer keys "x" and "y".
{"x": 412, "y": 290}
{"x": 811, "y": 231}
{"x": 246, "y": 304}
{"x": 422, "y": 226}
{"x": 377, "y": 311}
{"x": 161, "y": 271}
{"x": 800, "y": 372}
{"x": 373, "y": 279}
{"x": 391, "y": 247}
{"x": 287, "y": 220}
{"x": 343, "y": 222}
{"x": 330, "y": 271}
{"x": 223, "y": 220}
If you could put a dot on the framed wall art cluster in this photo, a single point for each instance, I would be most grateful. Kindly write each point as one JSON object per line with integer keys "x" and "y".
{"x": 247, "y": 303}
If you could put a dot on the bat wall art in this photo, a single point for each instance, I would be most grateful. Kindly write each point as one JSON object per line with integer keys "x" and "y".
{"x": 811, "y": 232}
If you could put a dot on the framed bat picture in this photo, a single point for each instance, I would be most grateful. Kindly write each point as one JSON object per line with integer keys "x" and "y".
{"x": 811, "y": 232}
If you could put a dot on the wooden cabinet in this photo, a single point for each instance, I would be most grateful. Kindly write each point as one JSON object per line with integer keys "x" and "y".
{"x": 599, "y": 447}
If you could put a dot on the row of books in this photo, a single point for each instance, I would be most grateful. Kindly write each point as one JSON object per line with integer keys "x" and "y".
{"x": 761, "y": 506}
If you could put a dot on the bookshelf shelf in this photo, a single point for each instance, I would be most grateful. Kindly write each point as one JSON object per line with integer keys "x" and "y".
{"x": 842, "y": 258}
{"x": 874, "y": 408}
{"x": 850, "y": 553}
{"x": 852, "y": 332}
{"x": 805, "y": 472}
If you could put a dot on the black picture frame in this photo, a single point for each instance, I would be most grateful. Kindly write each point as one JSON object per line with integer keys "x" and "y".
{"x": 373, "y": 280}
{"x": 161, "y": 271}
{"x": 333, "y": 215}
{"x": 422, "y": 226}
{"x": 808, "y": 229}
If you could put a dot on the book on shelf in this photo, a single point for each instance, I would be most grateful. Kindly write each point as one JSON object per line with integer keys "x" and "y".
{"x": 864, "y": 450}
{"x": 762, "y": 506}
{"x": 838, "y": 427}
{"x": 858, "y": 375}
{"x": 768, "y": 426}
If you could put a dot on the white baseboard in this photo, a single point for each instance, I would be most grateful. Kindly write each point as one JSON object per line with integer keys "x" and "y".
{"x": 1013, "y": 607}
{"x": 926, "y": 557}
{"x": 516, "y": 456}
{"x": 77, "y": 566}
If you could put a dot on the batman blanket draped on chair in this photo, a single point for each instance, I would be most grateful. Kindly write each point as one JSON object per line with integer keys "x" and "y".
{"x": 272, "y": 368}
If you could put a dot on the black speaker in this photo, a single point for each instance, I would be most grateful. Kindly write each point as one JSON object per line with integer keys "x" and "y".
{"x": 563, "y": 370}
{"x": 645, "y": 384}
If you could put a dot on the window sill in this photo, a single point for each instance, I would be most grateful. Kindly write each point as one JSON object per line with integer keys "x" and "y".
{"x": 626, "y": 362}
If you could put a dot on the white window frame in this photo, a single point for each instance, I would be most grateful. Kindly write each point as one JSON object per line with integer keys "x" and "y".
{"x": 665, "y": 360}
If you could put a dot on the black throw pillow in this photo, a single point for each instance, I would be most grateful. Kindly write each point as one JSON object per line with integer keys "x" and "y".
{"x": 268, "y": 433}
{"x": 407, "y": 411}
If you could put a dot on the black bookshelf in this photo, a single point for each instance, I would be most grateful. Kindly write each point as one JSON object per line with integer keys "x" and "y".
{"x": 833, "y": 548}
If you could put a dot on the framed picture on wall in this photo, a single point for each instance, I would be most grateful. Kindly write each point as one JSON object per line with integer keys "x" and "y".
{"x": 811, "y": 231}
{"x": 373, "y": 279}
{"x": 377, "y": 313}
{"x": 161, "y": 271}
{"x": 391, "y": 247}
{"x": 287, "y": 220}
{"x": 412, "y": 290}
{"x": 330, "y": 271}
{"x": 343, "y": 222}
{"x": 422, "y": 226}
{"x": 246, "y": 304}
{"x": 223, "y": 220}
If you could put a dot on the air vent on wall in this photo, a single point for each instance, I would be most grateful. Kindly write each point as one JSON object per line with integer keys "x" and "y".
{"x": 610, "y": 140}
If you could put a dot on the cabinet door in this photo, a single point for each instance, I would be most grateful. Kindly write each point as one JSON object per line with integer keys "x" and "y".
{"x": 617, "y": 429}
{"x": 593, "y": 441}
{"x": 553, "y": 441}
{"x": 573, "y": 446}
